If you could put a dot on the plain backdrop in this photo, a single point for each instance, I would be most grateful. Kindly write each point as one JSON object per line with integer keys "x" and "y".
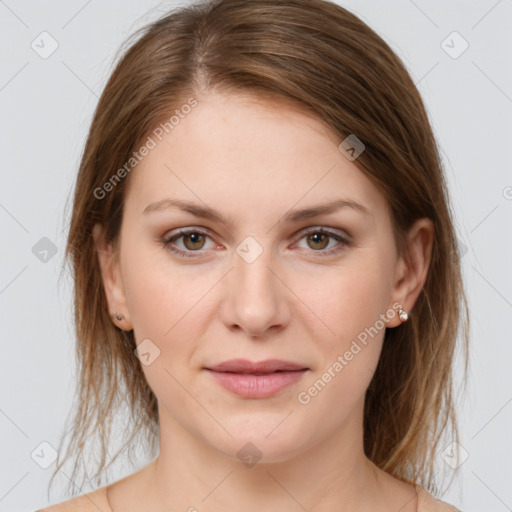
{"x": 458, "y": 53}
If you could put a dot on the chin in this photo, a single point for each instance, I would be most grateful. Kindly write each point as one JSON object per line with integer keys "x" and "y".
{"x": 262, "y": 438}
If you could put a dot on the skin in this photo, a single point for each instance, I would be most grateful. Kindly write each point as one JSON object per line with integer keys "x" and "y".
{"x": 253, "y": 161}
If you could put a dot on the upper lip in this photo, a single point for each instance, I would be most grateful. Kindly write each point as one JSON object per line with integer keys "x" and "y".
{"x": 246, "y": 366}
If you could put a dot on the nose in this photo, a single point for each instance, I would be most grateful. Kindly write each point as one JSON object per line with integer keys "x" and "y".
{"x": 256, "y": 300}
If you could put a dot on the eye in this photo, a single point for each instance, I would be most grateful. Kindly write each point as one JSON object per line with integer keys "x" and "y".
{"x": 193, "y": 242}
{"x": 318, "y": 239}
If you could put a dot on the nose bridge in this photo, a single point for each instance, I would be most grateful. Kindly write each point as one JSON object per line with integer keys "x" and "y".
{"x": 256, "y": 299}
{"x": 253, "y": 272}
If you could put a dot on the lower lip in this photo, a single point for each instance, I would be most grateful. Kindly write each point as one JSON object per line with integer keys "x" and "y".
{"x": 257, "y": 386}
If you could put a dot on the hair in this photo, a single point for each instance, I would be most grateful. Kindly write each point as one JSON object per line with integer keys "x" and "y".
{"x": 323, "y": 60}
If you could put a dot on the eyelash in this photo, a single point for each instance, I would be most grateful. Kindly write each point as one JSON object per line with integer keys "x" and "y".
{"x": 344, "y": 242}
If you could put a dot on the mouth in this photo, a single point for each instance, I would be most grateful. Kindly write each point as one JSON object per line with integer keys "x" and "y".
{"x": 262, "y": 379}
{"x": 253, "y": 367}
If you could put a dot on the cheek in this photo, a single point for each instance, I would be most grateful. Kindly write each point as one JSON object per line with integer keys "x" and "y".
{"x": 165, "y": 306}
{"x": 170, "y": 304}
{"x": 161, "y": 297}
{"x": 348, "y": 358}
{"x": 347, "y": 300}
{"x": 351, "y": 304}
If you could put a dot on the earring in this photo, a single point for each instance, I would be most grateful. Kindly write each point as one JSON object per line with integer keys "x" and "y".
{"x": 118, "y": 317}
{"x": 403, "y": 315}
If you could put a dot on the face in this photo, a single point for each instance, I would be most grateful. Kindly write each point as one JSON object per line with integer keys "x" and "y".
{"x": 241, "y": 266}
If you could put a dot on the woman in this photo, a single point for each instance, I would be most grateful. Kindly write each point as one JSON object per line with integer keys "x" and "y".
{"x": 266, "y": 267}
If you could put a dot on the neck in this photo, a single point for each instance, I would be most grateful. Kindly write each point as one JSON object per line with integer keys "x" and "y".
{"x": 190, "y": 474}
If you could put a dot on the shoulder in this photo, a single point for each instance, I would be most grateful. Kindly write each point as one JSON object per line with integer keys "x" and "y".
{"x": 427, "y": 502}
{"x": 88, "y": 502}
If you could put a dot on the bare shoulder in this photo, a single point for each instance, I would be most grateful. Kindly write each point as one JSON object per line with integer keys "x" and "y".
{"x": 428, "y": 503}
{"x": 94, "y": 501}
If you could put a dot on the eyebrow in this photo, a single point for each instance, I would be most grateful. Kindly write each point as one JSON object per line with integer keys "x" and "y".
{"x": 297, "y": 215}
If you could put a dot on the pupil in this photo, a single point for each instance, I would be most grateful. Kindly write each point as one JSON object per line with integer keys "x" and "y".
{"x": 195, "y": 238}
{"x": 317, "y": 238}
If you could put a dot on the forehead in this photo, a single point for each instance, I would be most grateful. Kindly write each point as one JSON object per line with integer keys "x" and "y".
{"x": 232, "y": 147}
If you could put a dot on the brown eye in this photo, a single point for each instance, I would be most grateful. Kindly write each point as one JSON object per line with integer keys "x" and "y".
{"x": 189, "y": 243}
{"x": 318, "y": 240}
{"x": 324, "y": 242}
{"x": 194, "y": 240}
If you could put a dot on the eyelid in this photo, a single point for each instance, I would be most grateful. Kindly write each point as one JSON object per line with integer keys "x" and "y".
{"x": 334, "y": 232}
{"x": 169, "y": 238}
{"x": 343, "y": 239}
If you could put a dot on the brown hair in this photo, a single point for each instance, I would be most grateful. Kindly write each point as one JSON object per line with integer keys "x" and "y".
{"x": 319, "y": 58}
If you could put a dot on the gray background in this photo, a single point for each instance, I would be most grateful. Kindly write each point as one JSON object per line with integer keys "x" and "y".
{"x": 46, "y": 107}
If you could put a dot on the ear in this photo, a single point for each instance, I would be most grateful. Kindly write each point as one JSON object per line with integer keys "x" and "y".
{"x": 108, "y": 259}
{"x": 412, "y": 268}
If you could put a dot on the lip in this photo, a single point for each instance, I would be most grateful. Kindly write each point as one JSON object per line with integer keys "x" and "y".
{"x": 266, "y": 366}
{"x": 260, "y": 379}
